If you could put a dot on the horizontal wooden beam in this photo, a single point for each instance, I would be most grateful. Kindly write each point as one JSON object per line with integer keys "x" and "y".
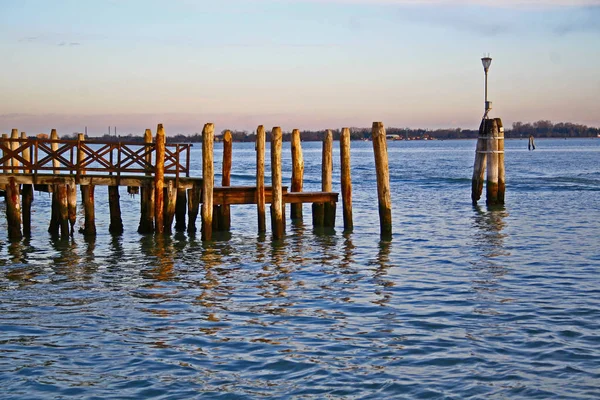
{"x": 310, "y": 197}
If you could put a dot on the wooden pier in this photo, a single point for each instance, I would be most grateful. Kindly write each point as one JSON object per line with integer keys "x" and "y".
{"x": 160, "y": 172}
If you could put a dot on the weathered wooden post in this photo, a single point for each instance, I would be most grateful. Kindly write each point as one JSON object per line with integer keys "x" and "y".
{"x": 207, "y": 180}
{"x": 346, "y": 179}
{"x": 147, "y": 191}
{"x": 116, "y": 223}
{"x": 494, "y": 149}
{"x": 260, "y": 178}
{"x": 14, "y": 145}
{"x": 170, "y": 204}
{"x": 277, "y": 196}
{"x": 159, "y": 180}
{"x": 297, "y": 173}
{"x": 531, "y": 143}
{"x": 480, "y": 161}
{"x": 383, "y": 179}
{"x": 58, "y": 191}
{"x": 13, "y": 198}
{"x": 26, "y": 192}
{"x": 180, "y": 209}
{"x": 224, "y": 210}
{"x": 327, "y": 179}
{"x": 501, "y": 170}
{"x": 324, "y": 213}
{"x": 87, "y": 194}
{"x": 194, "y": 197}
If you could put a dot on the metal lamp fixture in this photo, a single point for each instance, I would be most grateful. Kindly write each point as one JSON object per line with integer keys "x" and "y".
{"x": 486, "y": 61}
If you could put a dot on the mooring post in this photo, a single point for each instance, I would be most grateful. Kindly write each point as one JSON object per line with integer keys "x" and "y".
{"x": 87, "y": 194}
{"x": 260, "y": 178}
{"x": 346, "y": 179}
{"x": 491, "y": 185}
{"x": 383, "y": 179}
{"x": 277, "y": 196}
{"x": 207, "y": 179}
{"x": 327, "y": 179}
{"x": 224, "y": 215}
{"x": 147, "y": 190}
{"x": 480, "y": 161}
{"x": 297, "y": 173}
{"x": 159, "y": 180}
{"x": 170, "y": 204}
{"x": 501, "y": 170}
{"x": 26, "y": 192}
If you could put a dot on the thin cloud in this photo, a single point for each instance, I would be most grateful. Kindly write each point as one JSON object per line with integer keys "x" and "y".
{"x": 488, "y": 3}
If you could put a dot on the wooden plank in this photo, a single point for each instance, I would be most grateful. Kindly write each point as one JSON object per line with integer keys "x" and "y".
{"x": 310, "y": 197}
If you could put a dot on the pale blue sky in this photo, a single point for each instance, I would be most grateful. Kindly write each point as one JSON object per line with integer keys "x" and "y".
{"x": 294, "y": 63}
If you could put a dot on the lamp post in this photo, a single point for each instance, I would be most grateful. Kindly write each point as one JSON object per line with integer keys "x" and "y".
{"x": 486, "y": 61}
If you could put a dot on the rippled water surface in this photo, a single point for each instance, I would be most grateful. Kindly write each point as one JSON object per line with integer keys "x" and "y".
{"x": 463, "y": 302}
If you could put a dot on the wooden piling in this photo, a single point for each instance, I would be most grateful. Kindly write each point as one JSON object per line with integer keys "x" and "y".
{"x": 383, "y": 179}
{"x": 194, "y": 197}
{"x": 327, "y": 179}
{"x": 87, "y": 197}
{"x": 13, "y": 197}
{"x": 55, "y": 222}
{"x": 277, "y": 196}
{"x": 26, "y": 194}
{"x": 72, "y": 206}
{"x": 531, "y": 143}
{"x": 491, "y": 185}
{"x": 170, "y": 205}
{"x": 346, "y": 179}
{"x": 159, "y": 180}
{"x": 116, "y": 223}
{"x": 63, "y": 211}
{"x": 13, "y": 209}
{"x": 224, "y": 212}
{"x": 297, "y": 173}
{"x": 147, "y": 191}
{"x": 480, "y": 162}
{"x": 207, "y": 180}
{"x": 260, "y": 178}
{"x": 180, "y": 210}
{"x": 501, "y": 170}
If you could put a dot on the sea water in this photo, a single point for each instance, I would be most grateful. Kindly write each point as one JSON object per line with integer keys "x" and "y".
{"x": 462, "y": 302}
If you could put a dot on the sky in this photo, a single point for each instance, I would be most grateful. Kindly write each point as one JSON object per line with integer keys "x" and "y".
{"x": 307, "y": 64}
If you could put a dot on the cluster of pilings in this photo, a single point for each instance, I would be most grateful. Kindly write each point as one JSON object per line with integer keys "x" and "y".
{"x": 323, "y": 202}
{"x": 165, "y": 199}
{"x": 489, "y": 155}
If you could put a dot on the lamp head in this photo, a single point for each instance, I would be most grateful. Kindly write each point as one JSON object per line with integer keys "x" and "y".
{"x": 486, "y": 61}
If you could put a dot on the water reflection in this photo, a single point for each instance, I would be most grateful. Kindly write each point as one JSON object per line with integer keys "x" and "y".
{"x": 488, "y": 242}
{"x": 383, "y": 265}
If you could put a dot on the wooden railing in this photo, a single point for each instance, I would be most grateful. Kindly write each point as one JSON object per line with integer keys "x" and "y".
{"x": 90, "y": 156}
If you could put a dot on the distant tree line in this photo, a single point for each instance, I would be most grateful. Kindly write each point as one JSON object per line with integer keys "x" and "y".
{"x": 539, "y": 129}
